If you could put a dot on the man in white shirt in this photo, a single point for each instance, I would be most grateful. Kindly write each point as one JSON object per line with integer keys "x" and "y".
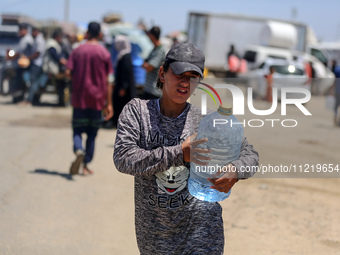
{"x": 37, "y": 78}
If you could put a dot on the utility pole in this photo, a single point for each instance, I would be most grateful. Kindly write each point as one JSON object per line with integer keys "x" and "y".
{"x": 66, "y": 10}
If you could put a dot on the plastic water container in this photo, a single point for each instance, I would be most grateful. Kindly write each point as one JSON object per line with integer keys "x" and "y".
{"x": 225, "y": 135}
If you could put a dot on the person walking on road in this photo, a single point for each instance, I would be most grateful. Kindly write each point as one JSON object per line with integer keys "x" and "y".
{"x": 153, "y": 144}
{"x": 125, "y": 87}
{"x": 22, "y": 53}
{"x": 269, "y": 80}
{"x": 336, "y": 92}
{"x": 91, "y": 70}
{"x": 152, "y": 64}
{"x": 55, "y": 62}
{"x": 35, "y": 70}
{"x": 233, "y": 60}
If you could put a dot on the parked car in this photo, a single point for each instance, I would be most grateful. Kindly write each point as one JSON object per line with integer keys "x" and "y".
{"x": 324, "y": 78}
{"x": 288, "y": 74}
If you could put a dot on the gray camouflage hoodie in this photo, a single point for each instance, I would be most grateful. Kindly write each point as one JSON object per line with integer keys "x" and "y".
{"x": 168, "y": 219}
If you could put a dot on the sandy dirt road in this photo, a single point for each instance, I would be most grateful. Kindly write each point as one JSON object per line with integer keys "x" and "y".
{"x": 43, "y": 210}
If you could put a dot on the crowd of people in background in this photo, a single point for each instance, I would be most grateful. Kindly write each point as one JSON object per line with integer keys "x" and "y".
{"x": 43, "y": 61}
{"x": 40, "y": 60}
{"x": 99, "y": 76}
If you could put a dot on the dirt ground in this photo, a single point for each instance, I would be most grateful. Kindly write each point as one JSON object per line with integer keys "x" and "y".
{"x": 43, "y": 210}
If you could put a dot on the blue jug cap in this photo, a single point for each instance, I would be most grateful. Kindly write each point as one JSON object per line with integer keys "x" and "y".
{"x": 225, "y": 110}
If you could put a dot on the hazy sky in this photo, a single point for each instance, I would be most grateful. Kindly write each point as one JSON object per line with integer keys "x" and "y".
{"x": 322, "y": 15}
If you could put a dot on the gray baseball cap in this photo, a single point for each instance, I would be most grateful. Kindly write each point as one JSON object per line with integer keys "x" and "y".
{"x": 185, "y": 57}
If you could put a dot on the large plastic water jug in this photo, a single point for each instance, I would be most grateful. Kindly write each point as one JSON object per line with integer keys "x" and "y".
{"x": 225, "y": 135}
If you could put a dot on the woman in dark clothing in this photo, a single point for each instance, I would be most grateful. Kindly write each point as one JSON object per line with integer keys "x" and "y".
{"x": 125, "y": 88}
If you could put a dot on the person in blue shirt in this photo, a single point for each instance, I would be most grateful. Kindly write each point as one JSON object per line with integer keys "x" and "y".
{"x": 336, "y": 91}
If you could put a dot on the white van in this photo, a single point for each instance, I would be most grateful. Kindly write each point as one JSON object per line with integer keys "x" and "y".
{"x": 257, "y": 55}
{"x": 287, "y": 74}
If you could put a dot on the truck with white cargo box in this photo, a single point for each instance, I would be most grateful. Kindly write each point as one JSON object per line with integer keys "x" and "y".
{"x": 255, "y": 39}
